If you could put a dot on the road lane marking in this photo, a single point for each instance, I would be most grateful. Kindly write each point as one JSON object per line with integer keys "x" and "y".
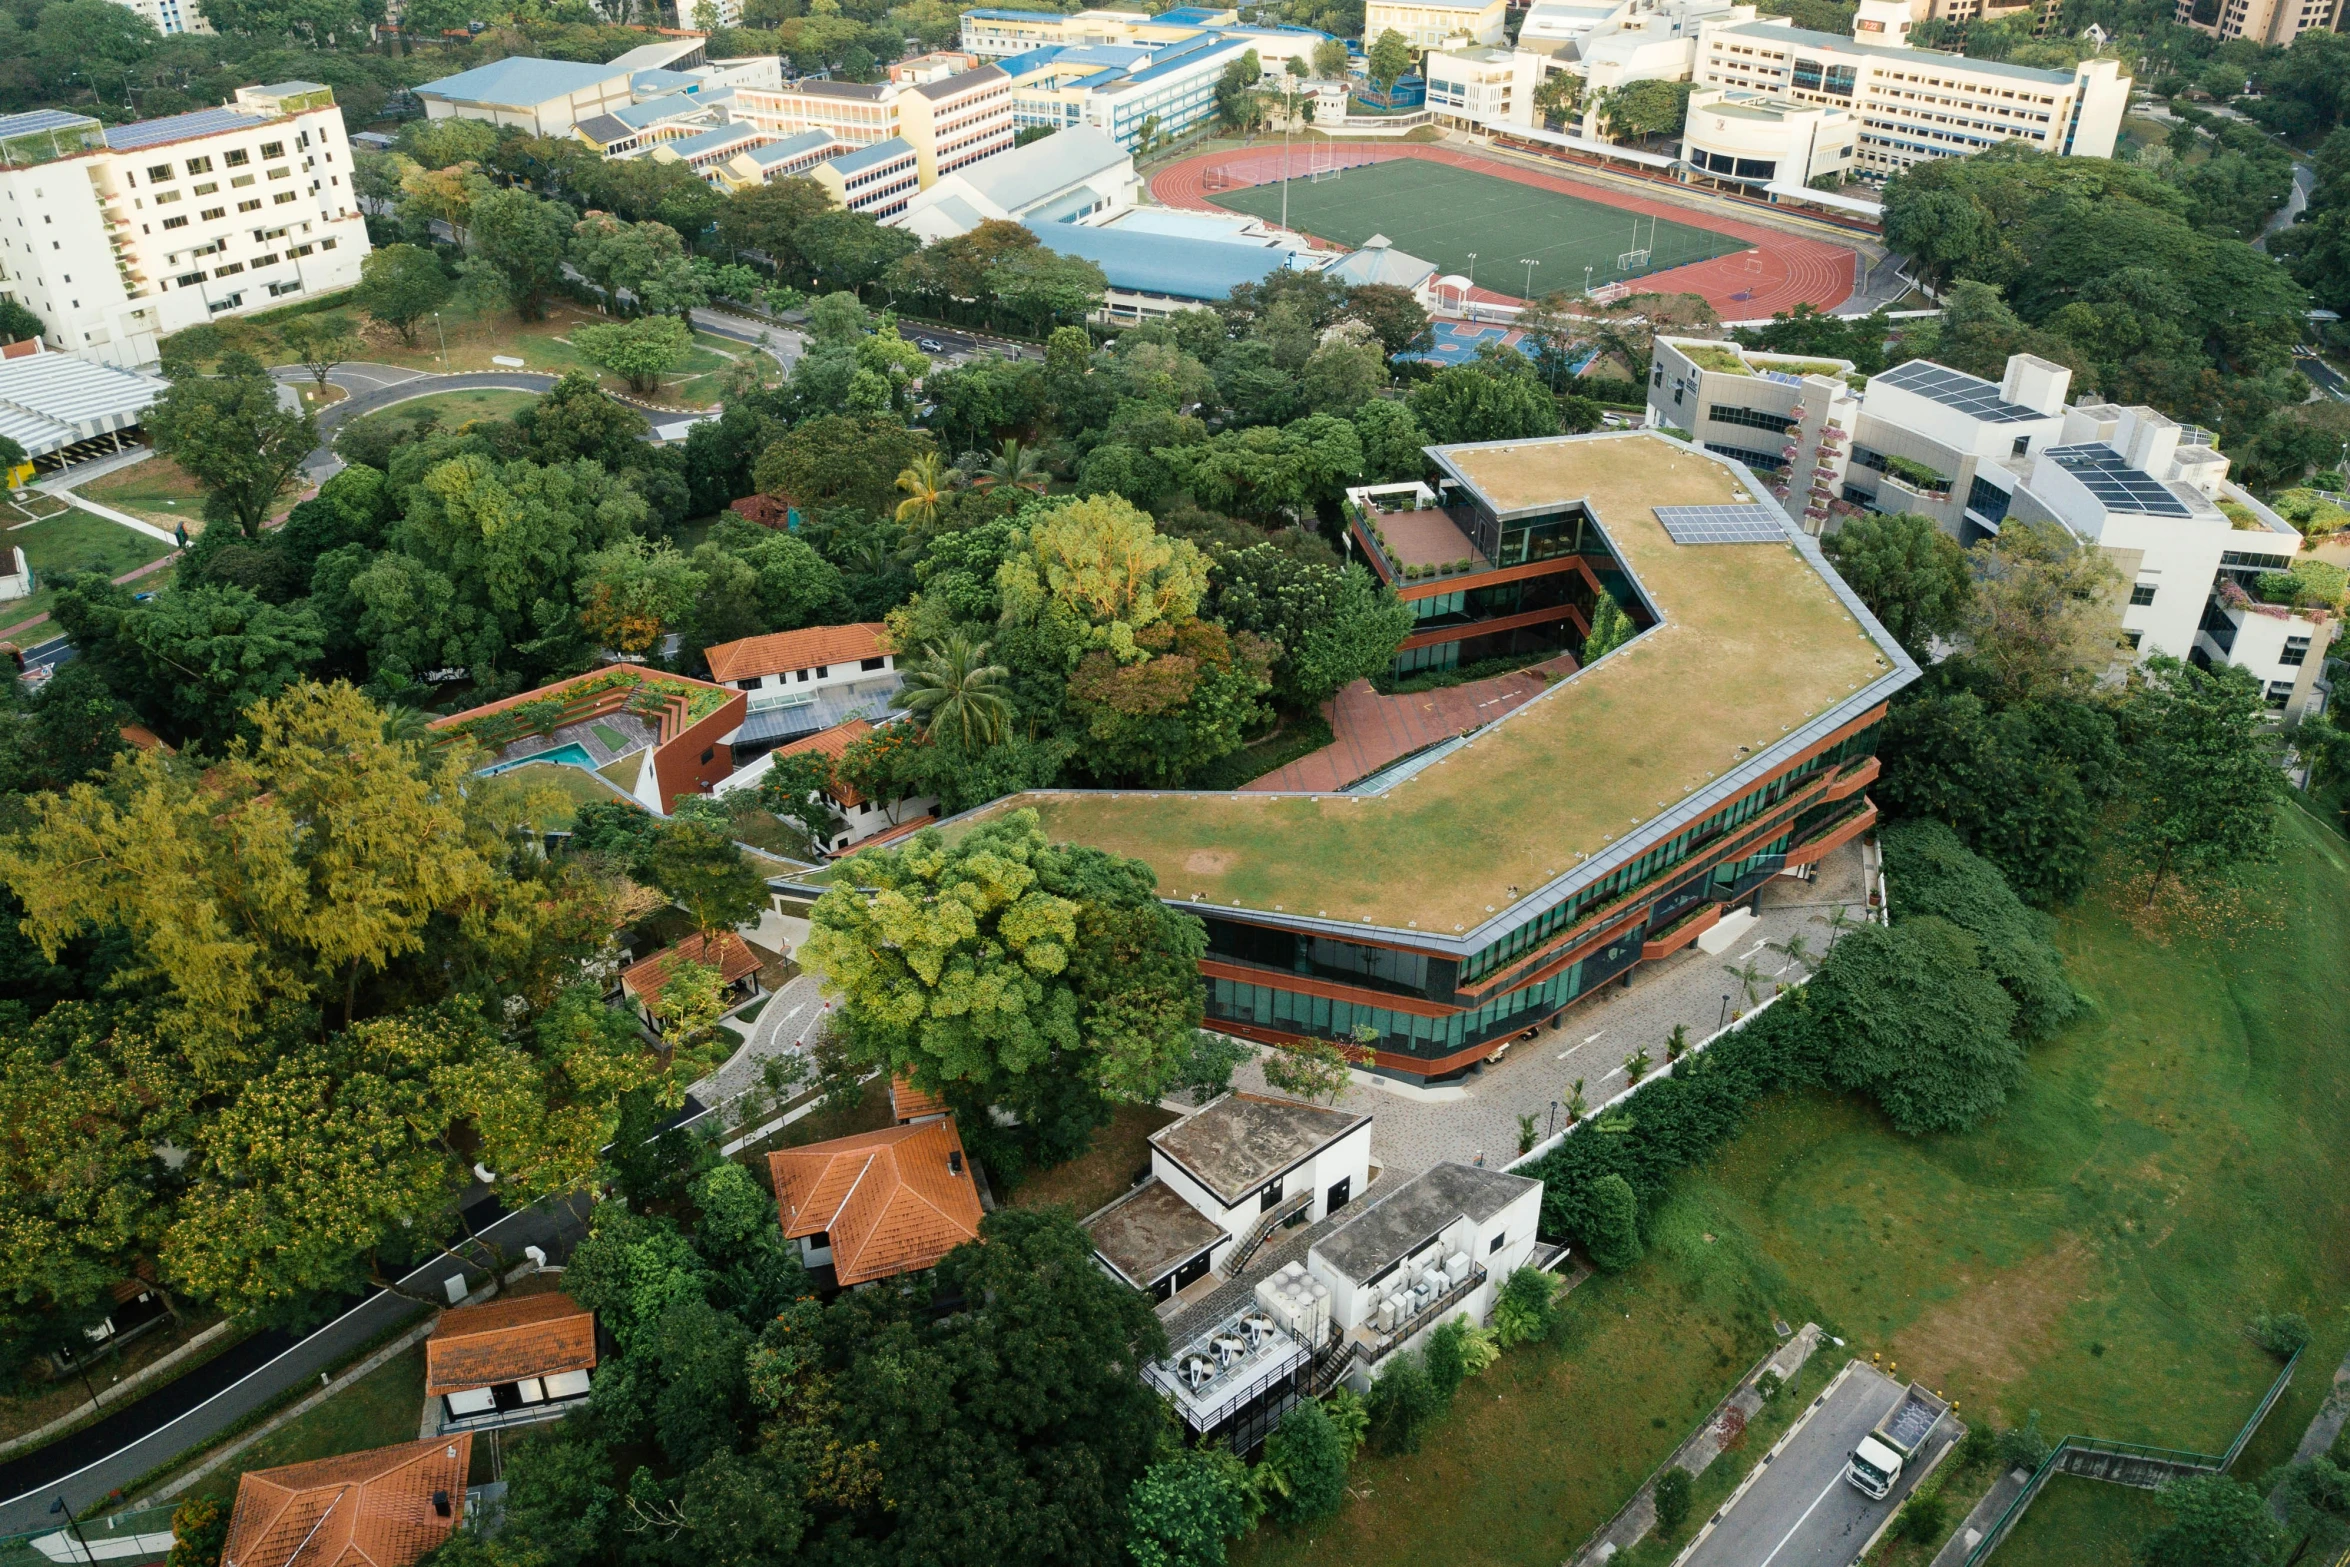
{"x": 1800, "y": 1522}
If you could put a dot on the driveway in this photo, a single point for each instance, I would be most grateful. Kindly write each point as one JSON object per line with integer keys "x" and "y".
{"x": 1801, "y": 1512}
{"x": 370, "y": 388}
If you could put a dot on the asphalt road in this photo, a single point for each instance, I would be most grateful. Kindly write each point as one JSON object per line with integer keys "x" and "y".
{"x": 370, "y": 387}
{"x": 1802, "y": 1512}
{"x": 194, "y": 1410}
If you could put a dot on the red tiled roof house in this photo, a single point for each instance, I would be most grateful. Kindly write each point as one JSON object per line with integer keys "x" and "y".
{"x": 506, "y": 1361}
{"x": 382, "y": 1508}
{"x": 880, "y": 1203}
{"x": 641, "y": 982}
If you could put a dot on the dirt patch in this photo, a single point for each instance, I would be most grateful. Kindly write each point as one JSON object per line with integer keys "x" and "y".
{"x": 1997, "y": 1325}
{"x": 1208, "y": 862}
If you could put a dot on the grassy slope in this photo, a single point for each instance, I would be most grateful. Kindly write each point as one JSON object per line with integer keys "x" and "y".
{"x": 2092, "y": 1255}
{"x": 454, "y": 409}
{"x": 74, "y": 541}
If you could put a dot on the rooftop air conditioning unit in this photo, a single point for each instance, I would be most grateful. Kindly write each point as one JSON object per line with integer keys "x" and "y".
{"x": 1196, "y": 1372}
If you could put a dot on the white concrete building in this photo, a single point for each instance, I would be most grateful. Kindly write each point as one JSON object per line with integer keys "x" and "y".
{"x": 1071, "y": 174}
{"x": 170, "y": 16}
{"x": 118, "y": 236}
{"x": 1430, "y": 24}
{"x": 543, "y": 97}
{"x": 949, "y": 120}
{"x": 1971, "y": 454}
{"x": 1223, "y": 1179}
{"x": 1745, "y": 138}
{"x": 1912, "y": 104}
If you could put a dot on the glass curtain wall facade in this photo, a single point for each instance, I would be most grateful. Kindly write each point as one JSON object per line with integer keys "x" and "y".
{"x": 1437, "y": 1013}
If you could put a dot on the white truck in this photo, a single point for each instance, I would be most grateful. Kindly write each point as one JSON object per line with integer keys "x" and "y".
{"x": 1875, "y": 1465}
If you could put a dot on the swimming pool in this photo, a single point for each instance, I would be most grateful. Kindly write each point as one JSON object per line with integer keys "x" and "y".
{"x": 572, "y": 755}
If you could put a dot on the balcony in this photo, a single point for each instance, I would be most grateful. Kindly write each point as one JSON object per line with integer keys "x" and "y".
{"x": 1372, "y": 1346}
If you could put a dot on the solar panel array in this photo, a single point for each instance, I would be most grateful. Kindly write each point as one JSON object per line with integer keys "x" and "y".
{"x": 1723, "y": 524}
{"x": 1968, "y": 394}
{"x": 200, "y": 122}
{"x": 2116, "y": 485}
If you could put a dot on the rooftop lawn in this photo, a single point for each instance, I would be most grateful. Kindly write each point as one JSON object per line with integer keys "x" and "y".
{"x": 2094, "y": 1254}
{"x": 1753, "y": 645}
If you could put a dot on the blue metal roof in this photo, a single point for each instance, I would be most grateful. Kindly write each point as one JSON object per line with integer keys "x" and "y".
{"x": 1188, "y": 55}
{"x": 867, "y": 157}
{"x": 1158, "y": 264}
{"x": 1015, "y": 16}
{"x": 179, "y": 127}
{"x": 774, "y": 152}
{"x": 1019, "y": 65}
{"x": 520, "y": 81}
{"x": 1191, "y": 15}
{"x": 711, "y": 141}
{"x": 654, "y": 110}
{"x": 652, "y": 79}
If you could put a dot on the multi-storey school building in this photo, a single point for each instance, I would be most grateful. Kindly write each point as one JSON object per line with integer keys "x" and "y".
{"x": 1476, "y": 891}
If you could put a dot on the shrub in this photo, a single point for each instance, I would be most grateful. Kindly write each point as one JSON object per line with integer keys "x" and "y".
{"x": 1525, "y": 1308}
{"x": 1614, "y": 1238}
{"x": 2023, "y": 1447}
{"x": 1185, "y": 1507}
{"x": 1305, "y": 1465}
{"x": 2282, "y": 1333}
{"x": 1446, "y": 1357}
{"x": 1402, "y": 1404}
{"x": 1907, "y": 1014}
{"x": 2215, "y": 1522}
{"x": 1924, "y": 1519}
{"x": 1767, "y": 1386}
{"x": 199, "y": 1529}
{"x": 1525, "y": 1134}
{"x": 1930, "y": 871}
{"x": 1980, "y": 1443}
{"x": 1672, "y": 1499}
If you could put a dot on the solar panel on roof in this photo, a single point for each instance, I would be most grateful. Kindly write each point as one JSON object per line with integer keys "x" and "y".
{"x": 1723, "y": 524}
{"x": 178, "y": 127}
{"x": 2108, "y": 476}
{"x": 1967, "y": 394}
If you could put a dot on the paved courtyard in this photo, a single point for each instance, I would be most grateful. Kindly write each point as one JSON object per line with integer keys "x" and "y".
{"x": 1418, "y": 1127}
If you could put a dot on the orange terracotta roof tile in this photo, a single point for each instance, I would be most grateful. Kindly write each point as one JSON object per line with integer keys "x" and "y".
{"x": 832, "y": 744}
{"x": 507, "y": 1339}
{"x": 779, "y": 651}
{"x": 906, "y": 1101}
{"x": 371, "y": 1509}
{"x": 888, "y": 1202}
{"x": 729, "y": 954}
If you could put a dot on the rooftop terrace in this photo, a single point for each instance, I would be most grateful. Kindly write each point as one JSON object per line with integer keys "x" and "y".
{"x": 1759, "y": 651}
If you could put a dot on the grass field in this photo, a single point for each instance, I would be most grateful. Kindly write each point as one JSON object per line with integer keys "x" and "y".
{"x": 1441, "y": 213}
{"x": 474, "y": 339}
{"x": 157, "y": 490}
{"x": 1104, "y": 1171}
{"x": 566, "y": 788}
{"x": 453, "y": 409}
{"x": 73, "y": 540}
{"x": 2164, "y": 1173}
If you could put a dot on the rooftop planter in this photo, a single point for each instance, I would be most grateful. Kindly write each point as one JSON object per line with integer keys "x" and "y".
{"x": 672, "y": 703}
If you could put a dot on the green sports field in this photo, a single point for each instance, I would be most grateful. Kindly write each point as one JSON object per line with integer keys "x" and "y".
{"x": 1441, "y": 213}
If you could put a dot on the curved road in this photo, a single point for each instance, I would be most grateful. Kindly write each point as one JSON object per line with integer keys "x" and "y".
{"x": 371, "y": 387}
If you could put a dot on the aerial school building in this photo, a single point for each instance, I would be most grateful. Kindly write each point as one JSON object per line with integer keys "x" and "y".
{"x": 1475, "y": 891}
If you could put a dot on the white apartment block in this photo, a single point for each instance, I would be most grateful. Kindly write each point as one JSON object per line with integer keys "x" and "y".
{"x": 1972, "y": 454}
{"x": 118, "y": 236}
{"x": 1915, "y": 104}
{"x": 170, "y": 16}
{"x": 1432, "y": 24}
{"x": 950, "y": 118}
{"x": 2273, "y": 22}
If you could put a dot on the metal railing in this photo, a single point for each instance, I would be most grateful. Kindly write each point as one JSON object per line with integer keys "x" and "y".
{"x": 140, "y": 1535}
{"x": 2076, "y": 1455}
{"x": 1373, "y": 1354}
{"x": 1254, "y": 1241}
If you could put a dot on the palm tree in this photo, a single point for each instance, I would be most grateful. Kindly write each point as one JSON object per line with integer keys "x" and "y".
{"x": 951, "y": 690}
{"x": 1013, "y": 464}
{"x": 1839, "y": 919}
{"x": 1576, "y": 1108}
{"x": 1750, "y": 977}
{"x": 405, "y": 725}
{"x": 926, "y": 481}
{"x": 1797, "y": 949}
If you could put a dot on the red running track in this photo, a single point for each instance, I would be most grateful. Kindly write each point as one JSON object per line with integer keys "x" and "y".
{"x": 1780, "y": 272}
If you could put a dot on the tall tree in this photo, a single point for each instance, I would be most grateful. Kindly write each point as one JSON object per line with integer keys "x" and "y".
{"x": 953, "y": 693}
{"x": 2203, "y": 784}
{"x": 400, "y": 285}
{"x": 523, "y": 241}
{"x": 228, "y": 431}
{"x": 1911, "y": 575}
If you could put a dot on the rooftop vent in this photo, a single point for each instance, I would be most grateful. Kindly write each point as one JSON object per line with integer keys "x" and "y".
{"x": 440, "y": 1504}
{"x": 955, "y": 1160}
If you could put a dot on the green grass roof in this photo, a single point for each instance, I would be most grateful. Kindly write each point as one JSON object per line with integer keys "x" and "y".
{"x": 1755, "y": 643}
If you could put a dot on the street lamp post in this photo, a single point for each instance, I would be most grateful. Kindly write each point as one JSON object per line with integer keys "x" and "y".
{"x": 444, "y": 333}
{"x": 1529, "y": 263}
{"x": 1288, "y": 129}
{"x": 73, "y": 1524}
{"x": 1471, "y": 301}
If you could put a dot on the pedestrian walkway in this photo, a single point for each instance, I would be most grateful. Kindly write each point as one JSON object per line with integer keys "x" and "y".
{"x": 1374, "y": 730}
{"x": 111, "y": 515}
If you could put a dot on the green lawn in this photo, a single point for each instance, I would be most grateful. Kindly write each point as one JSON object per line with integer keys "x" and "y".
{"x": 74, "y": 540}
{"x": 2083, "y": 1523}
{"x": 567, "y": 789}
{"x": 157, "y": 490}
{"x": 2164, "y": 1173}
{"x": 379, "y": 1409}
{"x": 1441, "y": 213}
{"x": 454, "y": 409}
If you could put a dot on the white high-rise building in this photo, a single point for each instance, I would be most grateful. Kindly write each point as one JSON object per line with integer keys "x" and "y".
{"x": 171, "y": 16}
{"x": 118, "y": 236}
